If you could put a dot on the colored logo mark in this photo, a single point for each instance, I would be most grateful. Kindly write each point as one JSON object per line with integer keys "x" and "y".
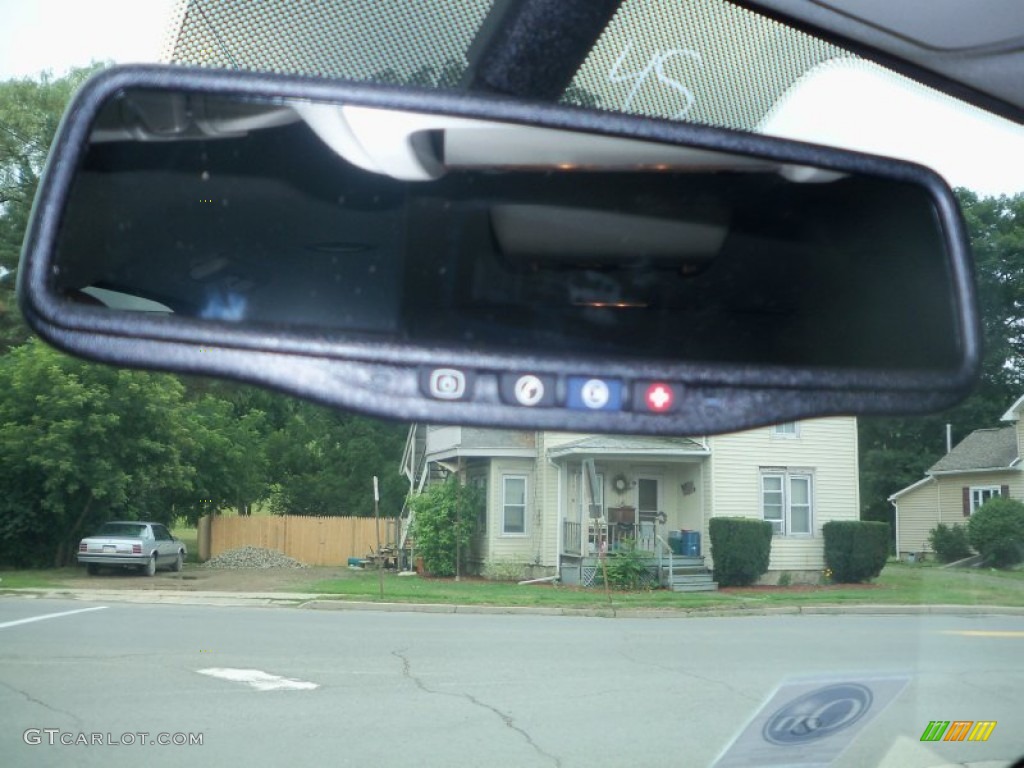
{"x": 958, "y": 730}
{"x": 659, "y": 397}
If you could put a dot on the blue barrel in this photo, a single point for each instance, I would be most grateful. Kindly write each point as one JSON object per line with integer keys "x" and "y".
{"x": 675, "y": 542}
{"x": 691, "y": 543}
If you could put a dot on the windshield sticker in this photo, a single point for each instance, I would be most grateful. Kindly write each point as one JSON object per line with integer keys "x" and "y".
{"x": 810, "y": 722}
{"x": 958, "y": 730}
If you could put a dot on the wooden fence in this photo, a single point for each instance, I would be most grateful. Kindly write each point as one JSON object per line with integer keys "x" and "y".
{"x": 311, "y": 540}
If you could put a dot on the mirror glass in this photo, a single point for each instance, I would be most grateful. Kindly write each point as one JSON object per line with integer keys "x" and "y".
{"x": 354, "y": 223}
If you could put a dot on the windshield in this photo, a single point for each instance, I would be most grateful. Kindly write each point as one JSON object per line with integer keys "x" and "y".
{"x": 841, "y": 591}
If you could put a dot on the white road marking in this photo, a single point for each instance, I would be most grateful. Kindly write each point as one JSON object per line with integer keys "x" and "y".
{"x": 261, "y": 681}
{"x": 46, "y": 616}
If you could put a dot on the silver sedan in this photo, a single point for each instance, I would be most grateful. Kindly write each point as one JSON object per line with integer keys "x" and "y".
{"x": 132, "y": 544}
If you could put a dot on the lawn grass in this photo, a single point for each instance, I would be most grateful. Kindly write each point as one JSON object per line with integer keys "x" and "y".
{"x": 190, "y": 537}
{"x": 898, "y": 585}
{"x": 41, "y": 578}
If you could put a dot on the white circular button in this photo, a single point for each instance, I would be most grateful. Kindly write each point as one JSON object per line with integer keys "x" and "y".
{"x": 595, "y": 394}
{"x": 529, "y": 390}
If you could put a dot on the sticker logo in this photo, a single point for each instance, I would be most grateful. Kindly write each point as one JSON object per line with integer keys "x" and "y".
{"x": 818, "y": 714}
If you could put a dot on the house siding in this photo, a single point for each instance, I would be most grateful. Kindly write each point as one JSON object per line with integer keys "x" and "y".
{"x": 827, "y": 448}
{"x": 941, "y": 501}
{"x": 520, "y": 548}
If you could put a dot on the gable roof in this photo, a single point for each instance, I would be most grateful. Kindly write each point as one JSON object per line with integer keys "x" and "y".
{"x": 632, "y": 446}
{"x": 1012, "y": 414}
{"x": 982, "y": 449}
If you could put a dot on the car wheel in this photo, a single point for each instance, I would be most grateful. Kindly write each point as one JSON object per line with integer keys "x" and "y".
{"x": 150, "y": 567}
{"x": 178, "y": 562}
{"x": 92, "y": 569}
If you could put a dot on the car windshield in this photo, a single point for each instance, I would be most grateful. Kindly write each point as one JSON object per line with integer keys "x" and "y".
{"x": 831, "y": 591}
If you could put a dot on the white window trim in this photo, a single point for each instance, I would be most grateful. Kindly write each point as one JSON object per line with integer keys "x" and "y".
{"x": 526, "y": 504}
{"x": 787, "y": 475}
{"x": 994, "y": 490}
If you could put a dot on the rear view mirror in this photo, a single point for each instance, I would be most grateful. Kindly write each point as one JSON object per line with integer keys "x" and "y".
{"x": 463, "y": 260}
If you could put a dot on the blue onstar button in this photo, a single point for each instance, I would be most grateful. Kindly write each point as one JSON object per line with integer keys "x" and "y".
{"x": 593, "y": 394}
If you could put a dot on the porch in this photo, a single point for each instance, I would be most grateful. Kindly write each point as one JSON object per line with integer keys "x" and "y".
{"x": 667, "y": 566}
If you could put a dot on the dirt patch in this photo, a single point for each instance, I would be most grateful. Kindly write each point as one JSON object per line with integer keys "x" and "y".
{"x": 195, "y": 578}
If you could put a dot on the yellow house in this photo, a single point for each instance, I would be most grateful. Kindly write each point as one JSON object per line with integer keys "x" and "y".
{"x": 984, "y": 464}
{"x": 555, "y": 501}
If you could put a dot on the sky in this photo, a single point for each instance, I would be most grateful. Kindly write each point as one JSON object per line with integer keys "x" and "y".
{"x": 857, "y": 107}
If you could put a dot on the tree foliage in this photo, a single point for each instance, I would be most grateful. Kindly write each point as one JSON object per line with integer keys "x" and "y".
{"x": 30, "y": 111}
{"x": 81, "y": 444}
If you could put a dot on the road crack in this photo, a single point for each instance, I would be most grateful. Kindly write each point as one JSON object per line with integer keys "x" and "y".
{"x": 39, "y": 702}
{"x": 507, "y": 719}
{"x": 684, "y": 673}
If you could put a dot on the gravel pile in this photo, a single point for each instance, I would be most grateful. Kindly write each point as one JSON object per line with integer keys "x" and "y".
{"x": 252, "y": 557}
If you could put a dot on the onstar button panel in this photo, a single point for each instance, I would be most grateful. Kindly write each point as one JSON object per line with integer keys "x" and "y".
{"x": 594, "y": 394}
{"x": 655, "y": 397}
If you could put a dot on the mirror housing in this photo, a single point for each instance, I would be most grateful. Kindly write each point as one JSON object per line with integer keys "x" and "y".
{"x": 483, "y": 261}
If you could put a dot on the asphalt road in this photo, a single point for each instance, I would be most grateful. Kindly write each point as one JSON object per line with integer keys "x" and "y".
{"x": 473, "y": 690}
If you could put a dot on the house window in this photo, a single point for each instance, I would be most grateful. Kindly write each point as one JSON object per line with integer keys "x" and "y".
{"x": 982, "y": 493}
{"x": 789, "y": 429}
{"x": 513, "y": 501}
{"x": 787, "y": 502}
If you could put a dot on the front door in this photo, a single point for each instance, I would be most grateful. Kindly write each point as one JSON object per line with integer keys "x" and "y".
{"x": 648, "y": 504}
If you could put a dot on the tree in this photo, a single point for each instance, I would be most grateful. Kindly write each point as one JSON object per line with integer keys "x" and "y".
{"x": 81, "y": 444}
{"x": 895, "y": 452}
{"x": 30, "y": 111}
{"x": 322, "y": 462}
{"x": 445, "y": 518}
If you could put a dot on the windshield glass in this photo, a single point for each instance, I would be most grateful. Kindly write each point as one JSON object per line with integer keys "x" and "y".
{"x": 841, "y": 591}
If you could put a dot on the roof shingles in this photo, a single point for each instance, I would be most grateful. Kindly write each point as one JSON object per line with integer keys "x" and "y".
{"x": 982, "y": 449}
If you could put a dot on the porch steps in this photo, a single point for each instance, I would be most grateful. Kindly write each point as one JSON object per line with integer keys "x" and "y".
{"x": 688, "y": 574}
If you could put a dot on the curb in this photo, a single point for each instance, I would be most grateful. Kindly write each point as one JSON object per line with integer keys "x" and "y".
{"x": 326, "y": 603}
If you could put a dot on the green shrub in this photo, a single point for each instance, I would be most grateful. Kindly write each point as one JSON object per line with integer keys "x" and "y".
{"x": 949, "y": 542}
{"x": 626, "y": 567}
{"x": 740, "y": 547}
{"x": 444, "y": 524}
{"x": 996, "y": 531}
{"x": 855, "y": 550}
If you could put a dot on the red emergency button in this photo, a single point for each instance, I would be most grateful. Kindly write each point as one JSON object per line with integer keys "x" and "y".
{"x": 659, "y": 397}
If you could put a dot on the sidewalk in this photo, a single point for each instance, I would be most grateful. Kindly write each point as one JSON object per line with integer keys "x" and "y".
{"x": 324, "y": 602}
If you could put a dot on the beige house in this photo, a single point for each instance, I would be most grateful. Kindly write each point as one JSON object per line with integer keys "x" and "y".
{"x": 984, "y": 464}
{"x": 554, "y": 500}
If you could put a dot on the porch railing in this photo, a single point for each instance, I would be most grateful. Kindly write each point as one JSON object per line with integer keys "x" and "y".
{"x": 572, "y": 537}
{"x": 663, "y": 547}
